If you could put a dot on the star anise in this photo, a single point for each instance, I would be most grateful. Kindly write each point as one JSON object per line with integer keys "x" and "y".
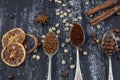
{"x": 42, "y": 19}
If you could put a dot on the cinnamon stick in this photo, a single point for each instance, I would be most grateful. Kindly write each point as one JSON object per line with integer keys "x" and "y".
{"x": 104, "y": 15}
{"x": 102, "y": 6}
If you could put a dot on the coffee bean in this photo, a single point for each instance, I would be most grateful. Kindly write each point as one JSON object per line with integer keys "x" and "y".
{"x": 65, "y": 73}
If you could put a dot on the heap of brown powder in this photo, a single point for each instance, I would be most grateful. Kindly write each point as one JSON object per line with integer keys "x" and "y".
{"x": 50, "y": 43}
{"x": 77, "y": 35}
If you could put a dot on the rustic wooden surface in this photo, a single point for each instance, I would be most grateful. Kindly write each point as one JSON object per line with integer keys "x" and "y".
{"x": 94, "y": 66}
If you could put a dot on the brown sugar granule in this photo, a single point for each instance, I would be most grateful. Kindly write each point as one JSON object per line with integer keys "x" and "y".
{"x": 50, "y": 43}
{"x": 77, "y": 35}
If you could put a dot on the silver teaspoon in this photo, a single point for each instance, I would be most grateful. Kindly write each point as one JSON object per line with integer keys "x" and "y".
{"x": 50, "y": 55}
{"x": 78, "y": 74}
{"x": 110, "y": 75}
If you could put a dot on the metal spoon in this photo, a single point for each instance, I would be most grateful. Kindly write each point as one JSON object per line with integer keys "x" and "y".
{"x": 50, "y": 56}
{"x": 50, "y": 62}
{"x": 78, "y": 74}
{"x": 110, "y": 75}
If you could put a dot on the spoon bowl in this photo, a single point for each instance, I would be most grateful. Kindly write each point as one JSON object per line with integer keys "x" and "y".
{"x": 110, "y": 33}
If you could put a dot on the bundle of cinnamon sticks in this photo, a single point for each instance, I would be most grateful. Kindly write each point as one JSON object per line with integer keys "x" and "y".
{"x": 106, "y": 14}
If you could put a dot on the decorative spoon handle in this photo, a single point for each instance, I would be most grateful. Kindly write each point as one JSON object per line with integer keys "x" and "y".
{"x": 49, "y": 68}
{"x": 78, "y": 75}
{"x": 110, "y": 76}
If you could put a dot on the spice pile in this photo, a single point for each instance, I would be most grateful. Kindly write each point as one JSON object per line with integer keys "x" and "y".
{"x": 77, "y": 35}
{"x": 105, "y": 15}
{"x": 14, "y": 52}
{"x": 109, "y": 44}
{"x": 50, "y": 44}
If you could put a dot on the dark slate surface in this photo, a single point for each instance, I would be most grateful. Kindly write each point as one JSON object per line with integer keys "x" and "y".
{"x": 94, "y": 66}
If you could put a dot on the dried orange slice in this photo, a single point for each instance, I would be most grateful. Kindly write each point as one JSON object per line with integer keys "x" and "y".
{"x": 13, "y": 54}
{"x": 31, "y": 43}
{"x": 14, "y": 35}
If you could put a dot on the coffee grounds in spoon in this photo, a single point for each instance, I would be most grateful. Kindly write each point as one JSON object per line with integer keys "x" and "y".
{"x": 50, "y": 43}
{"x": 77, "y": 35}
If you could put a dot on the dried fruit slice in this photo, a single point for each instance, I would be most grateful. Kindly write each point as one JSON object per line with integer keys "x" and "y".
{"x": 31, "y": 43}
{"x": 14, "y": 35}
{"x": 13, "y": 54}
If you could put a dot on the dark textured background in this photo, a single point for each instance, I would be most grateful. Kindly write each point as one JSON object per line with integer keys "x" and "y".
{"x": 94, "y": 66}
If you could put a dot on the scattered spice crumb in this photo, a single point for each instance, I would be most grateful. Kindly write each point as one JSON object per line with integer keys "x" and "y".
{"x": 57, "y": 25}
{"x": 58, "y": 31}
{"x": 53, "y": 28}
{"x": 64, "y": 20}
{"x": 63, "y": 62}
{"x": 80, "y": 18}
{"x": 63, "y": 5}
{"x": 57, "y": 10}
{"x": 43, "y": 36}
{"x": 50, "y": 29}
{"x": 67, "y": 40}
{"x": 97, "y": 40}
{"x": 85, "y": 53}
{"x": 66, "y": 28}
{"x": 65, "y": 14}
{"x": 117, "y": 38}
{"x": 63, "y": 45}
{"x": 72, "y": 66}
{"x": 66, "y": 24}
{"x": 75, "y": 19}
{"x": 37, "y": 57}
{"x": 34, "y": 56}
{"x": 65, "y": 50}
{"x": 68, "y": 10}
{"x": 70, "y": 15}
{"x": 98, "y": 26}
{"x": 61, "y": 16}
{"x": 87, "y": 2}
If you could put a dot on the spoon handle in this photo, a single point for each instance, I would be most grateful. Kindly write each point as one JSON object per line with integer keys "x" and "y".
{"x": 78, "y": 75}
{"x": 110, "y": 76}
{"x": 49, "y": 68}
